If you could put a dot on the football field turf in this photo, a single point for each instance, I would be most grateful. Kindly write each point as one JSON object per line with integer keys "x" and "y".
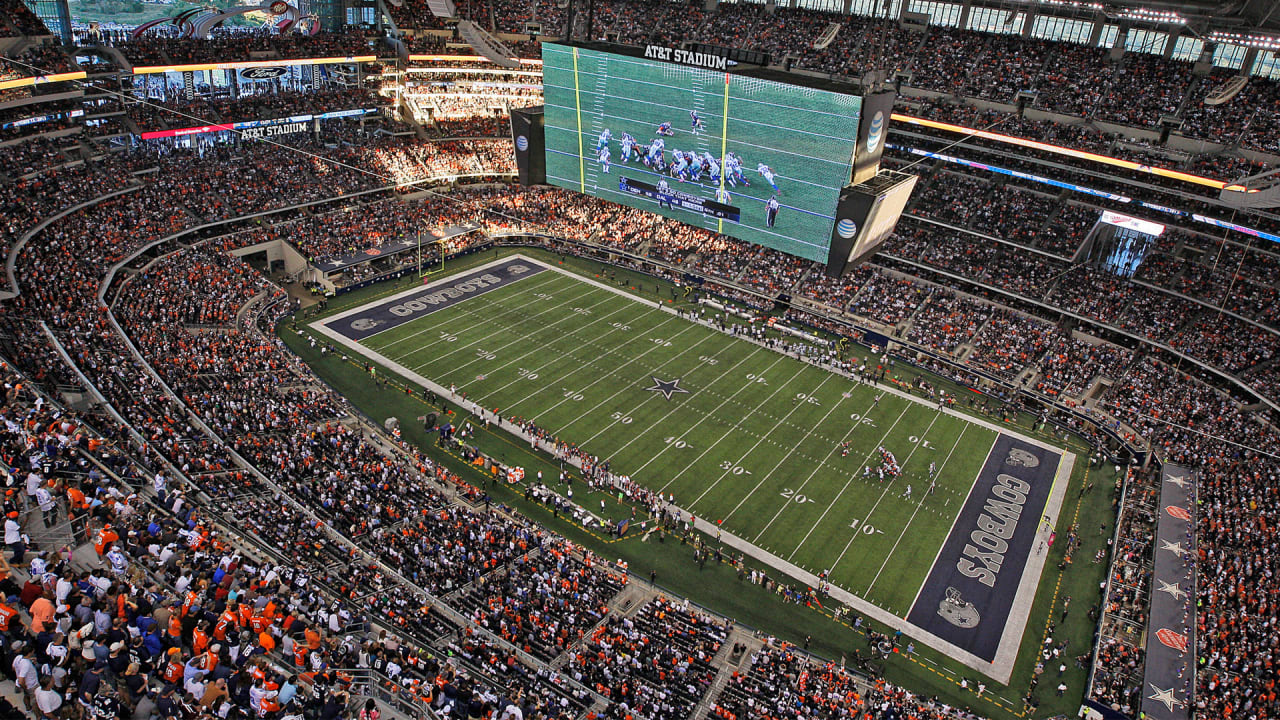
{"x": 769, "y": 448}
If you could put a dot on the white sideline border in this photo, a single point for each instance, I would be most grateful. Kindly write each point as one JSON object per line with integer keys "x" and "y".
{"x": 999, "y": 669}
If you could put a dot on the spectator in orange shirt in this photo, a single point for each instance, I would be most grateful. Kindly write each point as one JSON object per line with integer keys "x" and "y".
{"x": 42, "y": 614}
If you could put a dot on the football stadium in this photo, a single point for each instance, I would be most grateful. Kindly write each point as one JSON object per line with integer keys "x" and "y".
{"x": 640, "y": 360}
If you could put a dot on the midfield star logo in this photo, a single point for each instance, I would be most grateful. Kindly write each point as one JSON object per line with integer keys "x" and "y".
{"x": 666, "y": 387}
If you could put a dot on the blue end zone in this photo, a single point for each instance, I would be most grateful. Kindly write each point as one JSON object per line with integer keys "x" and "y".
{"x": 967, "y": 597}
{"x": 406, "y": 307}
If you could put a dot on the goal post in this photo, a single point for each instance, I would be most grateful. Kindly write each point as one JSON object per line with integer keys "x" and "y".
{"x": 430, "y": 256}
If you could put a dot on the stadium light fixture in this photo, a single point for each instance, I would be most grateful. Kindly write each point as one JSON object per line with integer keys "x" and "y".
{"x": 1073, "y": 4}
{"x": 442, "y": 8}
{"x": 1137, "y": 14}
{"x": 1261, "y": 42}
{"x": 487, "y": 45}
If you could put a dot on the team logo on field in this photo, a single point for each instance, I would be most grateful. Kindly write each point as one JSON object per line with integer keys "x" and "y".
{"x": 1180, "y": 513}
{"x": 1021, "y": 458}
{"x": 364, "y": 324}
{"x": 666, "y": 387}
{"x": 958, "y": 611}
{"x": 518, "y": 269}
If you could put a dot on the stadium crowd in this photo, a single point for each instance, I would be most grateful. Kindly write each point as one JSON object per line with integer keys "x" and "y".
{"x": 258, "y": 404}
{"x": 165, "y": 45}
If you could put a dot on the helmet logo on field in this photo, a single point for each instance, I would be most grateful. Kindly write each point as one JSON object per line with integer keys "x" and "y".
{"x": 522, "y": 143}
{"x": 958, "y": 611}
{"x": 364, "y": 324}
{"x": 846, "y": 228}
{"x": 1022, "y": 458}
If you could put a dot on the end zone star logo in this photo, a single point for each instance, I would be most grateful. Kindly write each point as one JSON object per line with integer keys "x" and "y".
{"x": 666, "y": 387}
{"x": 1164, "y": 696}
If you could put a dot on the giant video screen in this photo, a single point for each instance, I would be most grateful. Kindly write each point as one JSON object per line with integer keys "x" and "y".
{"x": 759, "y": 160}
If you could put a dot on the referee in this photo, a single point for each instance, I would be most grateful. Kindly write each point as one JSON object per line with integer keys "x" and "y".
{"x": 771, "y": 209}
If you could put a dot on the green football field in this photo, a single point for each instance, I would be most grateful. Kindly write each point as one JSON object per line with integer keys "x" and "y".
{"x": 805, "y": 136}
{"x": 740, "y": 434}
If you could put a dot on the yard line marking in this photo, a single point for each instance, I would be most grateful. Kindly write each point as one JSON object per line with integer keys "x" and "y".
{"x": 554, "y": 359}
{"x": 884, "y": 492}
{"x": 609, "y": 375}
{"x": 436, "y": 325}
{"x": 784, "y": 458}
{"x": 902, "y": 533}
{"x": 607, "y": 351}
{"x": 816, "y": 467}
{"x": 383, "y": 348}
{"x": 954, "y": 520}
{"x": 852, "y": 477}
{"x": 674, "y": 408}
{"x": 712, "y": 414}
{"x": 742, "y": 457}
{"x": 505, "y": 330}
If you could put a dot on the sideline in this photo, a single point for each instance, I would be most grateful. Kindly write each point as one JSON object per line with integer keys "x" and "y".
{"x": 1000, "y": 669}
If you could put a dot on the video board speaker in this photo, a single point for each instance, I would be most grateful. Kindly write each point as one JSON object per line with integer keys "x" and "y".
{"x": 865, "y": 216}
{"x": 873, "y": 129}
{"x": 528, "y": 135}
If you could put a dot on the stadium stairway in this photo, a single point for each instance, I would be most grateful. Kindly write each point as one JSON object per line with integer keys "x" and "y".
{"x": 1029, "y": 375}
{"x": 131, "y": 124}
{"x": 804, "y": 277}
{"x": 904, "y": 328}
{"x": 730, "y": 663}
{"x": 632, "y": 598}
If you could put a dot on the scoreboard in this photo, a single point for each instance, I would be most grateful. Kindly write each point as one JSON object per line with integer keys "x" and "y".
{"x": 759, "y": 155}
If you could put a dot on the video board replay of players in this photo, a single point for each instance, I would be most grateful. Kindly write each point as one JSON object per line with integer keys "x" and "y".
{"x": 756, "y": 159}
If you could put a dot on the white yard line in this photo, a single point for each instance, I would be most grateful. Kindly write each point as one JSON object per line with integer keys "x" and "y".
{"x": 923, "y": 496}
{"x": 733, "y": 427}
{"x": 627, "y": 386}
{"x": 393, "y": 343}
{"x": 816, "y": 468}
{"x": 506, "y": 331}
{"x": 744, "y": 455}
{"x": 847, "y": 483}
{"x": 554, "y": 358}
{"x": 677, "y": 408}
{"x": 885, "y": 492}
{"x": 436, "y": 326}
{"x": 680, "y": 406}
{"x": 576, "y": 369}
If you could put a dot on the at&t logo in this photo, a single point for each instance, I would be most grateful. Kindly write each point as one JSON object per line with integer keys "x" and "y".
{"x": 875, "y": 133}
